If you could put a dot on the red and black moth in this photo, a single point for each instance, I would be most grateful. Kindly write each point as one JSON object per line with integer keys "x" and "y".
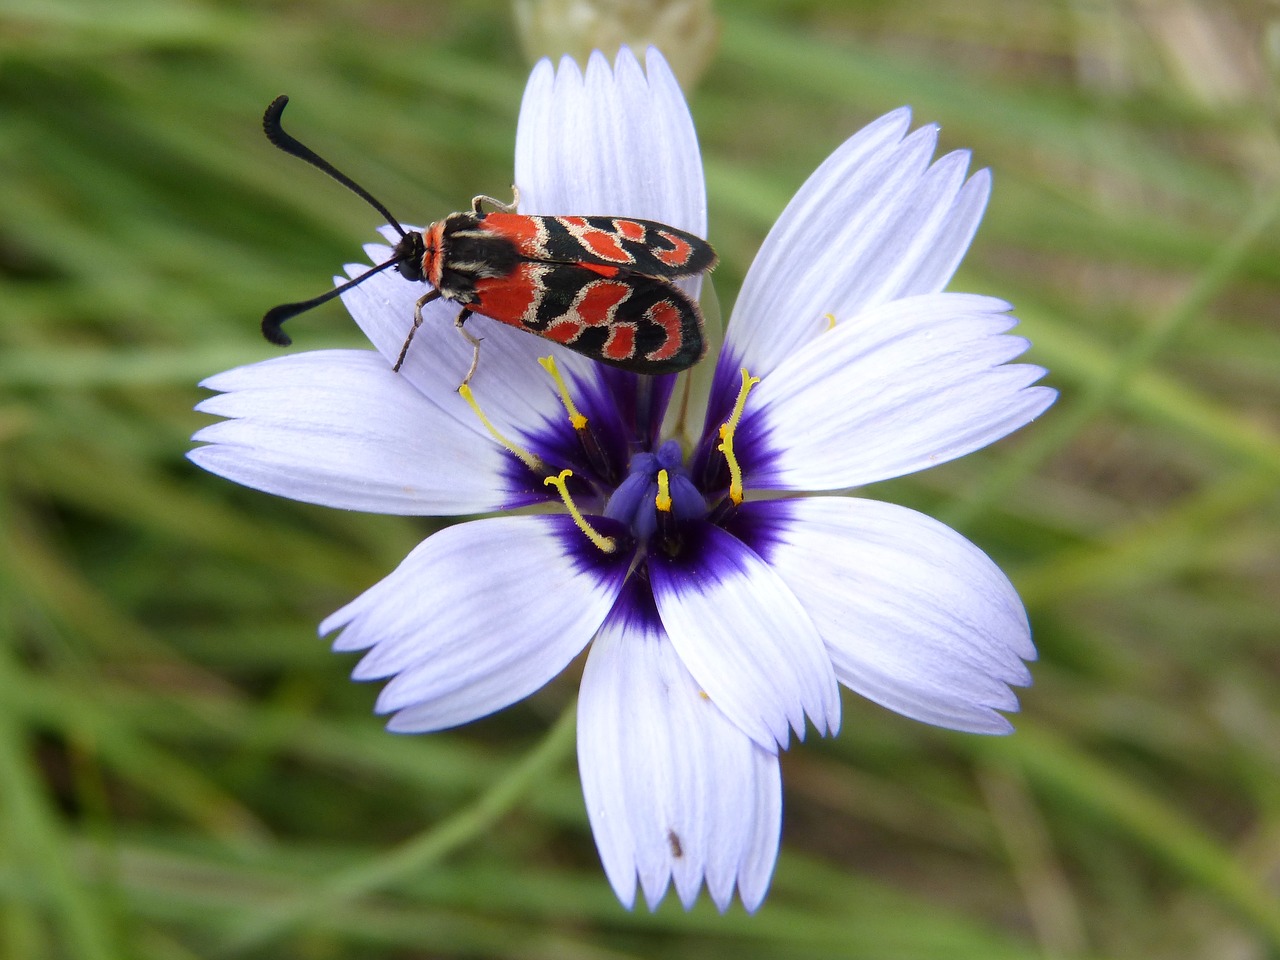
{"x": 601, "y": 286}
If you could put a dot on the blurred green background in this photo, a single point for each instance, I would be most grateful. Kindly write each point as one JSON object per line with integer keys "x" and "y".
{"x": 187, "y": 772}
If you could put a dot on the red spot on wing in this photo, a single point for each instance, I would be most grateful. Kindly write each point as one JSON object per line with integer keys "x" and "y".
{"x": 604, "y": 245}
{"x": 621, "y": 344}
{"x": 514, "y": 226}
{"x": 527, "y": 233}
{"x": 565, "y": 330}
{"x": 596, "y": 305}
{"x": 596, "y": 241}
{"x": 602, "y": 269}
{"x": 668, "y": 316}
{"x": 680, "y": 252}
{"x": 630, "y": 230}
{"x": 511, "y": 299}
{"x": 599, "y": 300}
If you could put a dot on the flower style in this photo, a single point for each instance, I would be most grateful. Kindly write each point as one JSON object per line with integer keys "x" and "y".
{"x": 717, "y": 621}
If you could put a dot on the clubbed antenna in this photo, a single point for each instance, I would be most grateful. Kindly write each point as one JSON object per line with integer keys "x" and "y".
{"x": 275, "y": 133}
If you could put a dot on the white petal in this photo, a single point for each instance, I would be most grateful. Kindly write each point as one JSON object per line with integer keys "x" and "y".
{"x": 915, "y": 616}
{"x": 873, "y": 223}
{"x": 479, "y": 616}
{"x": 337, "y": 427}
{"x": 614, "y": 142}
{"x": 674, "y": 791}
{"x": 901, "y": 387}
{"x": 744, "y": 637}
{"x": 940, "y": 253}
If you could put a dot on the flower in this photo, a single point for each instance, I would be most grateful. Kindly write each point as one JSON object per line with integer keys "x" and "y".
{"x": 718, "y": 621}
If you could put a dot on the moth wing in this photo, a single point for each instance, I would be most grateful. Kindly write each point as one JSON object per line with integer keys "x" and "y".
{"x": 642, "y": 247}
{"x": 628, "y": 320}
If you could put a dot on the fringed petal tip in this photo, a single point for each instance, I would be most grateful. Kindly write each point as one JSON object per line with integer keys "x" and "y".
{"x": 584, "y": 144}
{"x": 913, "y": 615}
{"x": 677, "y": 795}
{"x": 339, "y": 429}
{"x": 905, "y": 386}
{"x": 877, "y": 221}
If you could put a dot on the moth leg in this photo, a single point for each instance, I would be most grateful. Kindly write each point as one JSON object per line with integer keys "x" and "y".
{"x": 475, "y": 345}
{"x": 497, "y": 204}
{"x": 417, "y": 322}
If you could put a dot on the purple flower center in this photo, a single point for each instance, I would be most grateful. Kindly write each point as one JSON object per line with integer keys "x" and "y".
{"x": 634, "y": 502}
{"x": 606, "y": 460}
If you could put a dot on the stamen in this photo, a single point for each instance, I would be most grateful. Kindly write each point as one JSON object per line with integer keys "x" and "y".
{"x": 831, "y": 321}
{"x": 528, "y": 459}
{"x": 727, "y": 430}
{"x": 669, "y": 538}
{"x": 578, "y": 420}
{"x": 575, "y": 416}
{"x": 663, "y": 500}
{"x": 605, "y": 544}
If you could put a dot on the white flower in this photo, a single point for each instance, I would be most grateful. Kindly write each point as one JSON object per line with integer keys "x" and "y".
{"x": 718, "y": 623}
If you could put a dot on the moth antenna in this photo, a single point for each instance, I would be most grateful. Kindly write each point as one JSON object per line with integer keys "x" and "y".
{"x": 277, "y": 315}
{"x": 275, "y": 133}
{"x": 272, "y": 320}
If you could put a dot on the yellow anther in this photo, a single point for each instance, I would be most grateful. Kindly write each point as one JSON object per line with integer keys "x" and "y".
{"x": 831, "y": 321}
{"x": 663, "y": 500}
{"x": 575, "y": 416}
{"x": 727, "y": 430}
{"x": 528, "y": 459}
{"x": 605, "y": 544}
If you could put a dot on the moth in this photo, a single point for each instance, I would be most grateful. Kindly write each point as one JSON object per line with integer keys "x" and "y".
{"x": 602, "y": 286}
